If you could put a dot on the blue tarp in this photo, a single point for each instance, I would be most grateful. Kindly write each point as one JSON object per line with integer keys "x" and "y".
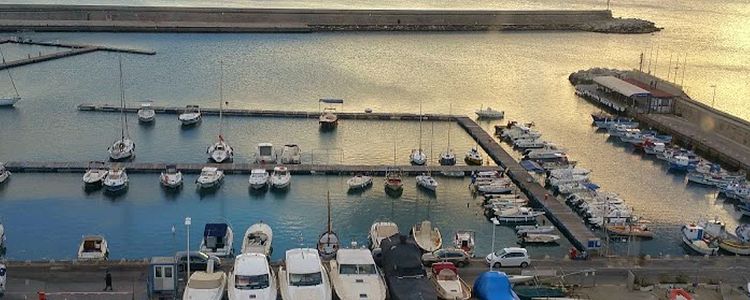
{"x": 591, "y": 186}
{"x": 493, "y": 285}
{"x": 532, "y": 166}
{"x": 215, "y": 229}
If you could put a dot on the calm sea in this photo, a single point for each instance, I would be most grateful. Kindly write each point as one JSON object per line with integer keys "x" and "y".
{"x": 523, "y": 73}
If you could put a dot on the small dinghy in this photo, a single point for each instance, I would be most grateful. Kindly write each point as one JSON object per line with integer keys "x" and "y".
{"x": 258, "y": 239}
{"x": 448, "y": 284}
{"x": 210, "y": 177}
{"x": 190, "y": 116}
{"x": 95, "y": 174}
{"x": 534, "y": 229}
{"x": 428, "y": 238}
{"x": 93, "y": 247}
{"x": 281, "y": 178}
{"x": 427, "y": 182}
{"x": 539, "y": 238}
{"x": 171, "y": 178}
{"x": 146, "y": 113}
{"x": 116, "y": 180}
{"x": 359, "y": 182}
{"x": 258, "y": 179}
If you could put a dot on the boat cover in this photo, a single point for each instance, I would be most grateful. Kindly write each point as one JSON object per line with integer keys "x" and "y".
{"x": 402, "y": 264}
{"x": 493, "y": 285}
{"x": 532, "y": 166}
{"x": 591, "y": 186}
{"x": 215, "y": 229}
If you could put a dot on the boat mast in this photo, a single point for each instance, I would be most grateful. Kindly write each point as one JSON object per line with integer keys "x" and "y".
{"x": 13, "y": 83}
{"x": 123, "y": 116}
{"x": 328, "y": 198}
{"x": 221, "y": 99}
{"x": 420, "y": 126}
{"x": 450, "y": 112}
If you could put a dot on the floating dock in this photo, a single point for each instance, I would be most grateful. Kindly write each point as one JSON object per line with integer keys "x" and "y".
{"x": 569, "y": 223}
{"x": 275, "y": 113}
{"x": 73, "y": 50}
{"x": 243, "y": 168}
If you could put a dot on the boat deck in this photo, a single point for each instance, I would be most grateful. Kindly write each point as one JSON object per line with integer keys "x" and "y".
{"x": 239, "y": 168}
{"x": 567, "y": 221}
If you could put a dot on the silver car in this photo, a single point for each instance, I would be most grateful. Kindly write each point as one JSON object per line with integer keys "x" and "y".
{"x": 457, "y": 256}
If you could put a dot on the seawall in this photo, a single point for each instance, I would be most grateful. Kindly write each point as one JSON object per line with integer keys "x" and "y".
{"x": 192, "y": 19}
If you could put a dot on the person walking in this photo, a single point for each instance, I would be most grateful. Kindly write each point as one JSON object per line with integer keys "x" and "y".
{"x": 108, "y": 281}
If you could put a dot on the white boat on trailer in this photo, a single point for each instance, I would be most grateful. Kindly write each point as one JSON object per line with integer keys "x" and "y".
{"x": 464, "y": 240}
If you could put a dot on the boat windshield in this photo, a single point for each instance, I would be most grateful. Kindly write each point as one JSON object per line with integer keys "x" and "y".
{"x": 351, "y": 269}
{"x": 265, "y": 151}
{"x": 308, "y": 279}
{"x": 254, "y": 282}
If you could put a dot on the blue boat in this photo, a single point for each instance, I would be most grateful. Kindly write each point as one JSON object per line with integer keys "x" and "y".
{"x": 493, "y": 285}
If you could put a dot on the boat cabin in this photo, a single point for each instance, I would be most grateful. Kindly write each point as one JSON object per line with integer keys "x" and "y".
{"x": 214, "y": 235}
{"x": 162, "y": 280}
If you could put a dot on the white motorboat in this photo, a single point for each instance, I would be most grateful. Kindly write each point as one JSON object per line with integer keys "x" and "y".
{"x": 258, "y": 239}
{"x": 291, "y": 154}
{"x": 427, "y": 182}
{"x": 303, "y": 276}
{"x": 464, "y": 240}
{"x": 116, "y": 180}
{"x": 206, "y": 285}
{"x": 258, "y": 179}
{"x": 380, "y": 231}
{"x": 95, "y": 174}
{"x": 190, "y": 116}
{"x": 328, "y": 242}
{"x": 516, "y": 215}
{"x": 146, "y": 113}
{"x": 217, "y": 239}
{"x": 9, "y": 101}
{"x": 427, "y": 237}
{"x": 210, "y": 177}
{"x": 265, "y": 154}
{"x": 358, "y": 182}
{"x": 281, "y": 178}
{"x": 541, "y": 154}
{"x": 328, "y": 118}
{"x": 693, "y": 236}
{"x": 354, "y": 275}
{"x": 220, "y": 151}
{"x": 560, "y": 173}
{"x": 2, "y": 237}
{"x": 534, "y": 229}
{"x": 489, "y": 113}
{"x": 473, "y": 157}
{"x": 447, "y": 283}
{"x": 252, "y": 278}
{"x": 171, "y": 177}
{"x": 93, "y": 247}
{"x": 539, "y": 238}
{"x": 417, "y": 157}
{"x": 123, "y": 148}
{"x": 4, "y": 173}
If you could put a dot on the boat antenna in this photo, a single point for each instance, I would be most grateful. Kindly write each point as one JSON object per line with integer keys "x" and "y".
{"x": 221, "y": 98}
{"x": 9, "y": 76}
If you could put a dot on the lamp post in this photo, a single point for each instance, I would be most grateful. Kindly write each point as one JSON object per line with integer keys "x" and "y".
{"x": 713, "y": 97}
{"x": 188, "y": 221}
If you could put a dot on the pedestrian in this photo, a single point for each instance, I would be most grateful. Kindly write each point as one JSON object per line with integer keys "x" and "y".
{"x": 108, "y": 281}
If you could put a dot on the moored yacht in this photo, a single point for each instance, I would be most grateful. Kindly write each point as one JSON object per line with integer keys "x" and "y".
{"x": 447, "y": 158}
{"x": 258, "y": 179}
{"x": 328, "y": 118}
{"x": 303, "y": 276}
{"x": 281, "y": 178}
{"x": 427, "y": 182}
{"x": 354, "y": 275}
{"x": 252, "y": 278}
{"x": 217, "y": 239}
{"x": 116, "y": 180}
{"x": 417, "y": 157}
{"x": 93, "y": 247}
{"x": 146, "y": 113}
{"x": 258, "y": 239}
{"x": 95, "y": 174}
{"x": 328, "y": 242}
{"x": 190, "y": 116}
{"x": 12, "y": 100}
{"x": 393, "y": 181}
{"x": 220, "y": 151}
{"x": 210, "y": 177}
{"x": 359, "y": 181}
{"x": 489, "y": 113}
{"x": 171, "y": 177}
{"x": 473, "y": 157}
{"x": 427, "y": 237}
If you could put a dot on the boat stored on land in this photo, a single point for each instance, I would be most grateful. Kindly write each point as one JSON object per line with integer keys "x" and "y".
{"x": 464, "y": 240}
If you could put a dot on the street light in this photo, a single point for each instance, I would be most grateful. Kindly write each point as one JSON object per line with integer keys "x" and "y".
{"x": 713, "y": 98}
{"x": 188, "y": 221}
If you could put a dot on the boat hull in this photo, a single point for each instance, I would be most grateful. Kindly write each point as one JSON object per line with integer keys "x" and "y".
{"x": 699, "y": 248}
{"x": 8, "y": 102}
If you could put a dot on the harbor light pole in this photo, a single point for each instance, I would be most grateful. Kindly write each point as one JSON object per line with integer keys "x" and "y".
{"x": 713, "y": 97}
{"x": 188, "y": 221}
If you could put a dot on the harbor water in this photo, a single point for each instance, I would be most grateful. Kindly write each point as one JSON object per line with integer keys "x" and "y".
{"x": 523, "y": 73}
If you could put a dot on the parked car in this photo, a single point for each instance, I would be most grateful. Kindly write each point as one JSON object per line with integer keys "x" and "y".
{"x": 509, "y": 257}
{"x": 456, "y": 256}
{"x": 198, "y": 261}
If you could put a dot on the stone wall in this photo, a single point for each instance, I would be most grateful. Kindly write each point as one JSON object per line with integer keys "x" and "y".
{"x": 713, "y": 121}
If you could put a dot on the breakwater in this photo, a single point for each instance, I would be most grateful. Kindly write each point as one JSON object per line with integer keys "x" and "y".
{"x": 192, "y": 19}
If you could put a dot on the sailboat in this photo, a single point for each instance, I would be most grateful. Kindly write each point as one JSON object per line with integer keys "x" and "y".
{"x": 9, "y": 101}
{"x": 448, "y": 158}
{"x": 220, "y": 151}
{"x": 328, "y": 243}
{"x": 417, "y": 156}
{"x": 393, "y": 181}
{"x": 124, "y": 148}
{"x": 426, "y": 180}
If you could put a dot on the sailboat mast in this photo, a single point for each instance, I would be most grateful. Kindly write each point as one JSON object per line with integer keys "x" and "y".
{"x": 328, "y": 197}
{"x": 123, "y": 116}
{"x": 13, "y": 83}
{"x": 221, "y": 99}
{"x": 450, "y": 112}
{"x": 420, "y": 125}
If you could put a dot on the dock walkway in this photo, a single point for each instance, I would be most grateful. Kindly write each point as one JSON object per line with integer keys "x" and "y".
{"x": 240, "y": 168}
{"x": 569, "y": 223}
{"x": 72, "y": 50}
{"x": 274, "y": 113}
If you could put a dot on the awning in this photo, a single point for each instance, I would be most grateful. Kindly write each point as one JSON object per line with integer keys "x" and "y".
{"x": 620, "y": 86}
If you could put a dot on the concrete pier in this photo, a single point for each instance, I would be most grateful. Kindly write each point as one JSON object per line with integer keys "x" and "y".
{"x": 225, "y": 19}
{"x": 275, "y": 113}
{"x": 567, "y": 221}
{"x": 73, "y": 49}
{"x": 241, "y": 168}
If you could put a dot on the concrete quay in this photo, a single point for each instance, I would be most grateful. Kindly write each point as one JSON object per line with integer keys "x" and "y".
{"x": 205, "y": 19}
{"x": 241, "y": 168}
